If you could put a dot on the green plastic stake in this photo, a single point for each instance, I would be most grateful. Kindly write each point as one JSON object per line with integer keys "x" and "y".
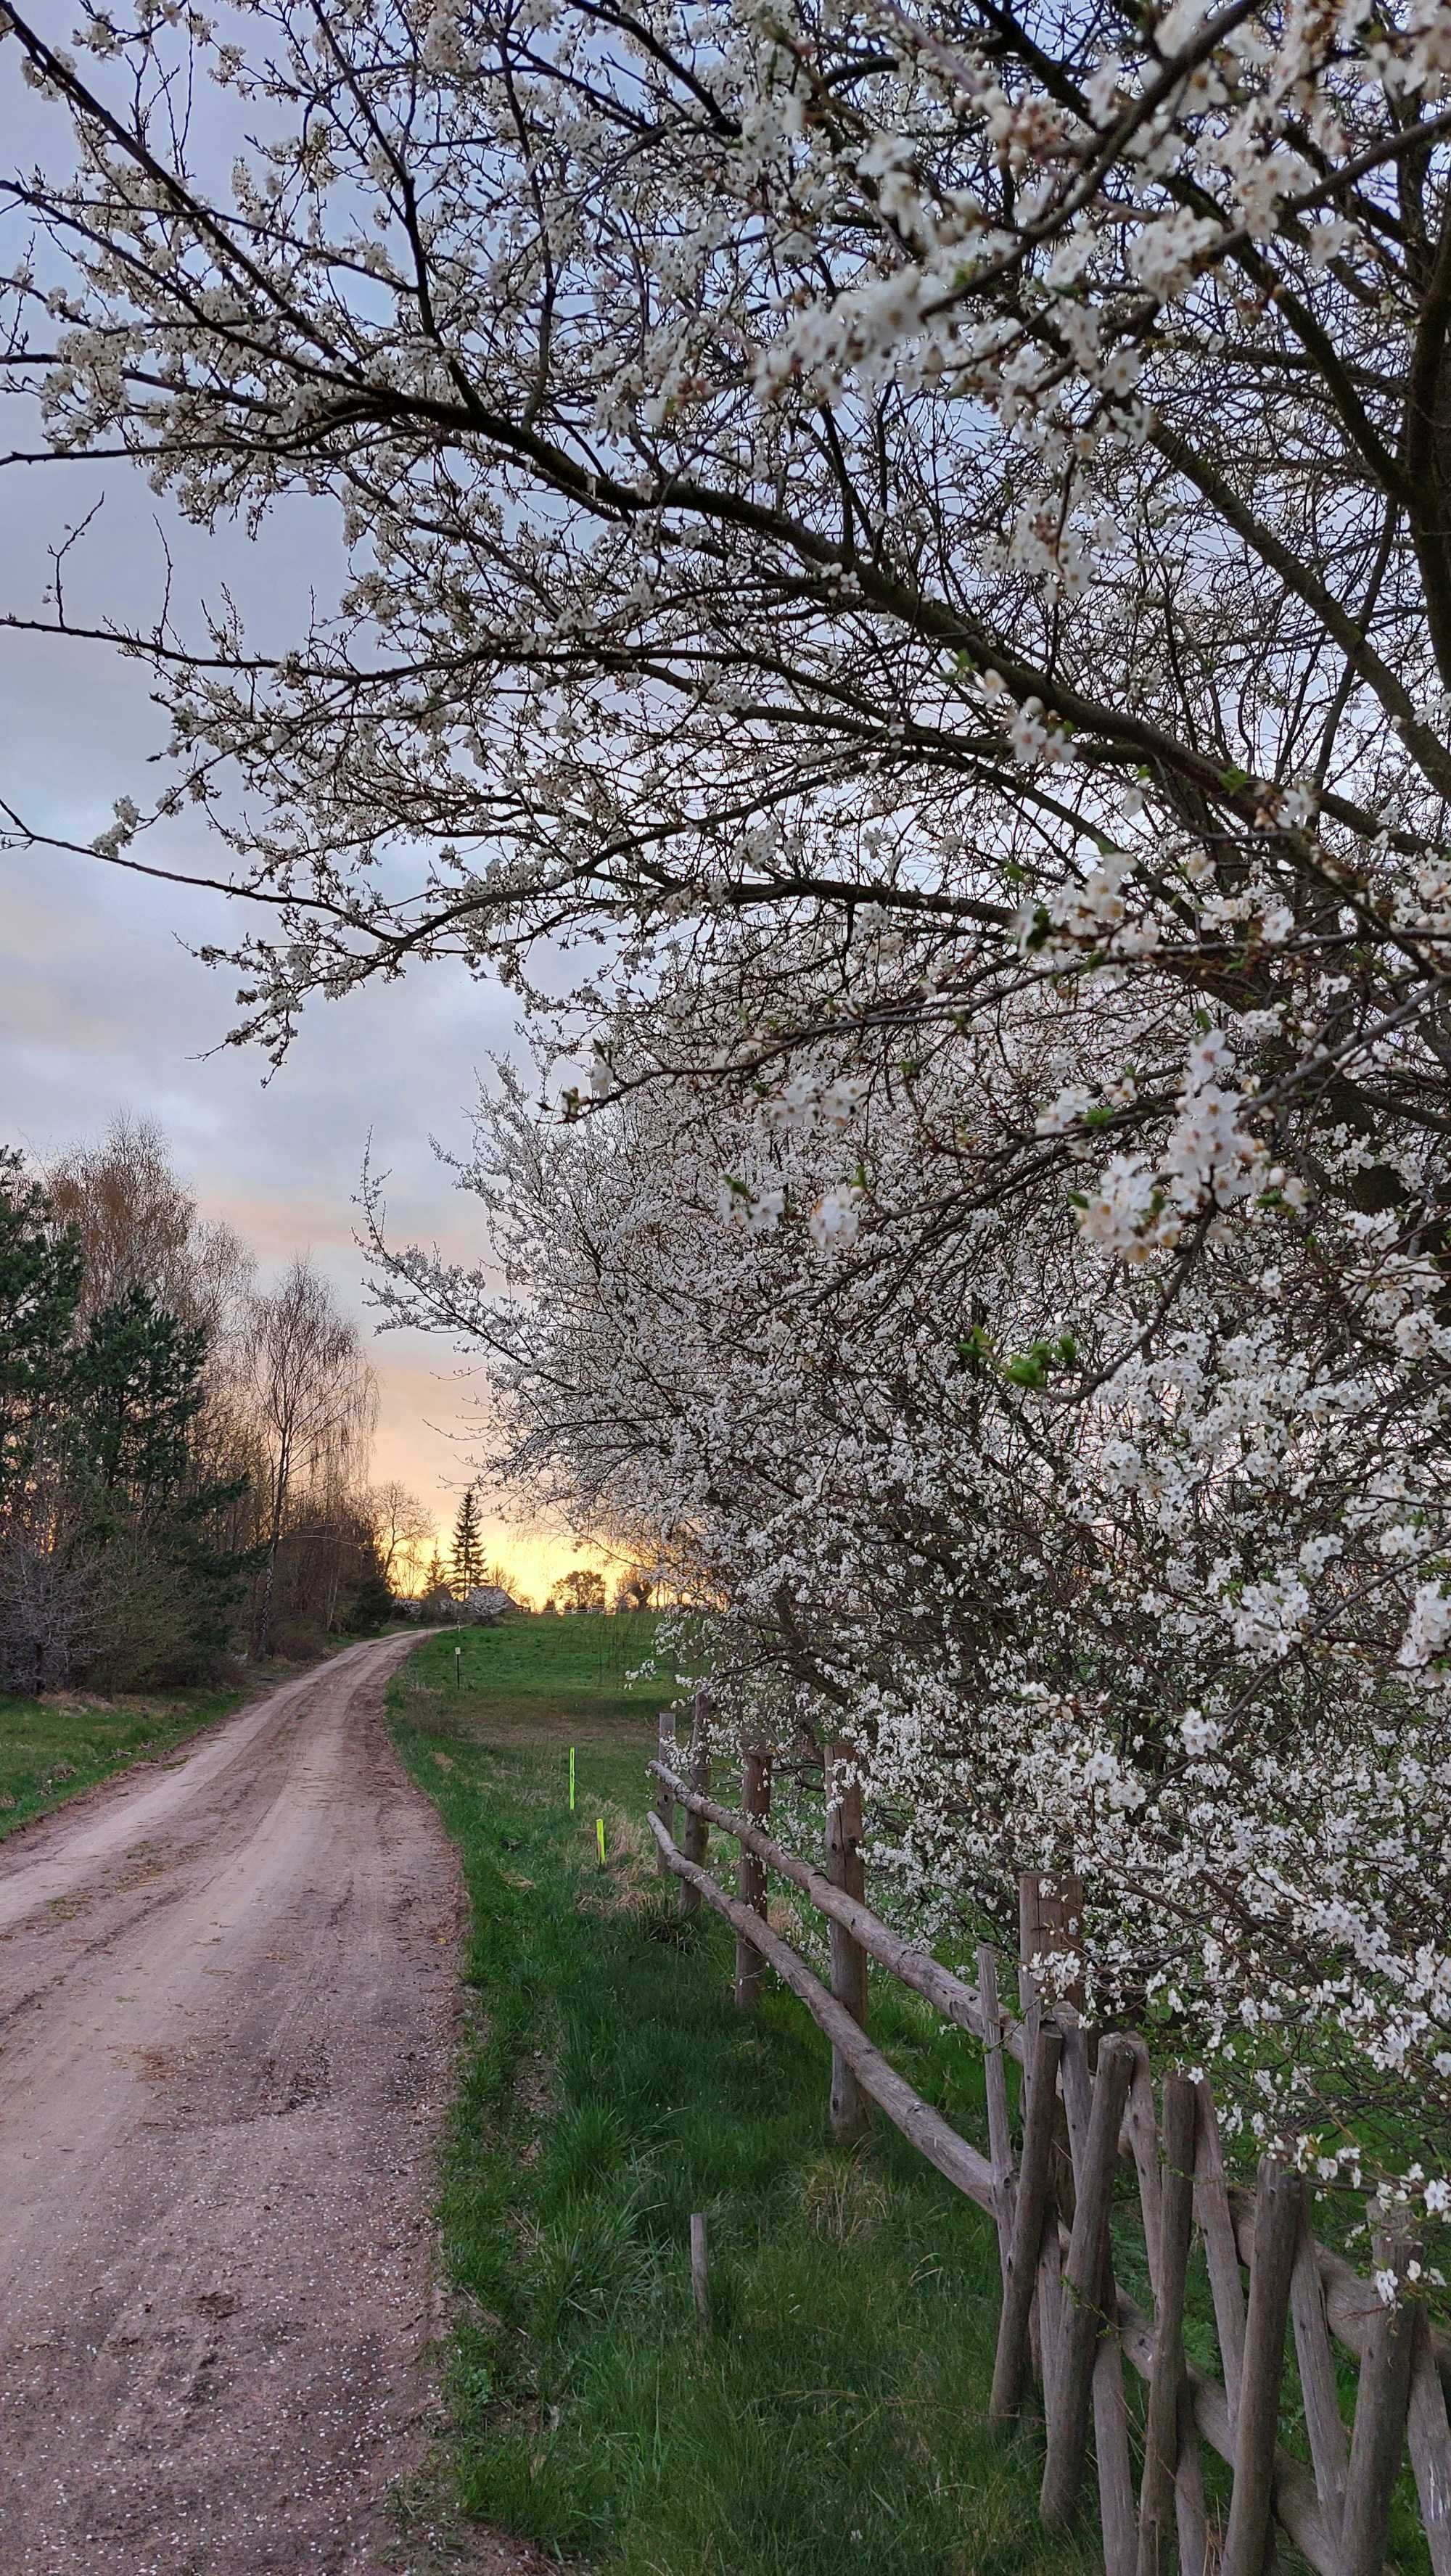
{"x": 600, "y": 1837}
{"x": 571, "y": 1779}
{"x": 458, "y": 1668}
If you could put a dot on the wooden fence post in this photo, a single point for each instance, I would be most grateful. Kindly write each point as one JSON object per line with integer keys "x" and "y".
{"x": 1083, "y": 2286}
{"x": 700, "y": 2268}
{"x": 697, "y": 1832}
{"x": 1050, "y": 1919}
{"x": 662, "y": 1802}
{"x": 1168, "y": 2431}
{"x": 1221, "y": 2252}
{"x": 1278, "y": 2200}
{"x": 751, "y": 1881}
{"x": 999, "y": 2126}
{"x": 1429, "y": 2437}
{"x": 846, "y": 1869}
{"x": 1032, "y": 2212}
{"x": 1318, "y": 2382}
{"x": 1380, "y": 2409}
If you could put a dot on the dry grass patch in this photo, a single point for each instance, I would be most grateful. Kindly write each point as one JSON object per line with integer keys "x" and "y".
{"x": 844, "y": 2198}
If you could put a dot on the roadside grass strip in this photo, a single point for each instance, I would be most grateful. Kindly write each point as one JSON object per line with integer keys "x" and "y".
{"x": 834, "y": 2411}
{"x": 53, "y": 1748}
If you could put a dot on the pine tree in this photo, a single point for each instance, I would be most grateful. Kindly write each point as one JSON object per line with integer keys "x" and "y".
{"x": 467, "y": 1555}
{"x": 138, "y": 1388}
{"x": 374, "y": 1606}
{"x": 40, "y": 1286}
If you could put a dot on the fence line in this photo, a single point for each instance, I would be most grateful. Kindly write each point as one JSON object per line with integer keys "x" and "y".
{"x": 1065, "y": 2322}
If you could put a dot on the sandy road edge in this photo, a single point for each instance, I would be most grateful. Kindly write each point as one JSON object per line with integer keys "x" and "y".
{"x": 27, "y": 1828}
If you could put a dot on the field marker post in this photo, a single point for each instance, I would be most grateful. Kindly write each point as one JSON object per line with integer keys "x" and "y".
{"x": 846, "y": 1869}
{"x": 700, "y": 2269}
{"x": 458, "y": 1668}
{"x": 571, "y": 1779}
{"x": 600, "y": 1838}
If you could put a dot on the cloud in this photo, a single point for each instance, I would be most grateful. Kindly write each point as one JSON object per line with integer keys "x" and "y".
{"x": 104, "y": 1009}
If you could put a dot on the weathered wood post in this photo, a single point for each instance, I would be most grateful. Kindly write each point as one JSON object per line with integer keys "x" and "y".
{"x": 697, "y": 1832}
{"x": 1050, "y": 1912}
{"x": 1278, "y": 2199}
{"x": 662, "y": 1802}
{"x": 1170, "y": 2431}
{"x": 1083, "y": 2287}
{"x": 999, "y": 2124}
{"x": 1032, "y": 2213}
{"x": 1050, "y": 1920}
{"x": 700, "y": 2268}
{"x": 751, "y": 1881}
{"x": 846, "y": 1869}
{"x": 1380, "y": 2406}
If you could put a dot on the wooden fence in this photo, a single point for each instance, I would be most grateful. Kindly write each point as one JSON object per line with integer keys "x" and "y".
{"x": 1087, "y": 2107}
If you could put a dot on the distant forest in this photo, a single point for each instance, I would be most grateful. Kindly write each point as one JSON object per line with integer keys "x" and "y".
{"x": 184, "y": 1452}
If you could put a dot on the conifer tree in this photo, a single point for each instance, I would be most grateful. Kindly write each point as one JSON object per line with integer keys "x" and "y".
{"x": 467, "y": 1554}
{"x": 40, "y": 1285}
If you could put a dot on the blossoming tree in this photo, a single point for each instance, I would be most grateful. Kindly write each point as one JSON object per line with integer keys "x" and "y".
{"x": 921, "y": 536}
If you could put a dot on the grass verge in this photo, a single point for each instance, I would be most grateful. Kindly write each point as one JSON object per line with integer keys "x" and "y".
{"x": 835, "y": 2412}
{"x": 53, "y": 1748}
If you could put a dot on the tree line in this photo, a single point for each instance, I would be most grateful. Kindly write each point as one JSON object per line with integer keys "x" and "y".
{"x": 184, "y": 1452}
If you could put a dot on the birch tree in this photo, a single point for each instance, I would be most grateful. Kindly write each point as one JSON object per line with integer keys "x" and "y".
{"x": 315, "y": 1399}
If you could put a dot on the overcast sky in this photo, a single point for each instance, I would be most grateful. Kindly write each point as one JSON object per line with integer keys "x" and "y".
{"x": 103, "y": 1009}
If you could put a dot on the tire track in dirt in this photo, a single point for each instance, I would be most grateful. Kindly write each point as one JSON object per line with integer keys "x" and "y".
{"x": 227, "y": 2001}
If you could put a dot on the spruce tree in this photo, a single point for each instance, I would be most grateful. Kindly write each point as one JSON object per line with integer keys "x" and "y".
{"x": 467, "y": 1555}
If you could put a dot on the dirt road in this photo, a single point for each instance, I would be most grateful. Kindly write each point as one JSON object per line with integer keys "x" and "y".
{"x": 226, "y": 1995}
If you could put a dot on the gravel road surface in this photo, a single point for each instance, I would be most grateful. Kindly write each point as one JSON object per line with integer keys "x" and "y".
{"x": 227, "y": 1990}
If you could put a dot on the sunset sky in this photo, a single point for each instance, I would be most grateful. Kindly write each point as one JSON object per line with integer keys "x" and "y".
{"x": 104, "y": 1010}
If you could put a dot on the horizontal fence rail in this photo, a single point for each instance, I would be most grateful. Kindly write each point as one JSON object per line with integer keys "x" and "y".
{"x": 1067, "y": 2327}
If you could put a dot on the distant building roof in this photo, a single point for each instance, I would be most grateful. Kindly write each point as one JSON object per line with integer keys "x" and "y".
{"x": 488, "y": 1601}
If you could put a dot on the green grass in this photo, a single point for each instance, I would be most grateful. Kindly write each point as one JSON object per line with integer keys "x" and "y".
{"x": 573, "y": 1667}
{"x": 835, "y": 2412}
{"x": 51, "y": 1749}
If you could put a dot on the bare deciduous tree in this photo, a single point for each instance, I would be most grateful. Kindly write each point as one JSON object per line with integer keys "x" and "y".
{"x": 316, "y": 1401}
{"x": 139, "y": 1227}
{"x": 403, "y": 1533}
